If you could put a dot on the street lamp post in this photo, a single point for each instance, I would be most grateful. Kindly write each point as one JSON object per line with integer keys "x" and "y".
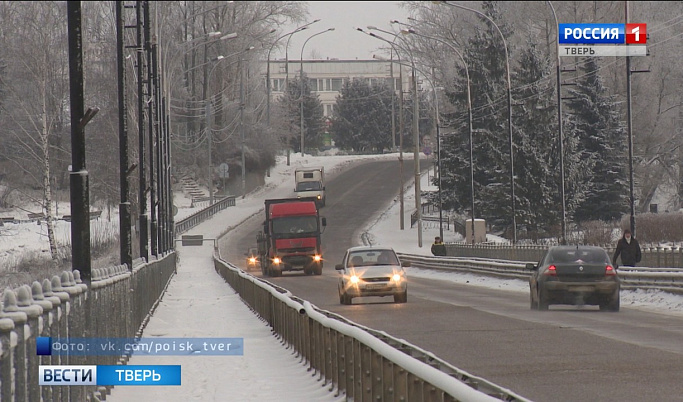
{"x": 416, "y": 134}
{"x": 416, "y": 153}
{"x": 301, "y": 85}
{"x": 559, "y": 129}
{"x": 286, "y": 90}
{"x": 209, "y": 138}
{"x": 469, "y": 116}
{"x": 509, "y": 96}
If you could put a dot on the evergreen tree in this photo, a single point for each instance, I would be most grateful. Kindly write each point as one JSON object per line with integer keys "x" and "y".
{"x": 597, "y": 127}
{"x": 362, "y": 120}
{"x": 313, "y": 115}
{"x": 485, "y": 58}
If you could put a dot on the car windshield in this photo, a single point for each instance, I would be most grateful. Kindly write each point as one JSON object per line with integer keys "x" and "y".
{"x": 368, "y": 258}
{"x": 295, "y": 225}
{"x": 578, "y": 255}
{"x": 309, "y": 186}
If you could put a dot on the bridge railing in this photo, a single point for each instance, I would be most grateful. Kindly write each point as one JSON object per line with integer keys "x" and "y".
{"x": 198, "y": 217}
{"x": 353, "y": 360}
{"x": 117, "y": 304}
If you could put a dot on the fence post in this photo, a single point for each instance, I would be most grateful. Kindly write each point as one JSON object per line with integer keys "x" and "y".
{"x": 6, "y": 357}
{"x": 18, "y": 357}
{"x": 33, "y": 313}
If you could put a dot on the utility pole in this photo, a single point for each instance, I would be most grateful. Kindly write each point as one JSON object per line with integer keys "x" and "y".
{"x": 78, "y": 177}
{"x": 393, "y": 94}
{"x": 142, "y": 193}
{"x": 400, "y": 144}
{"x": 150, "y": 128}
{"x": 126, "y": 238}
{"x": 416, "y": 155}
{"x": 244, "y": 170}
{"x": 209, "y": 140}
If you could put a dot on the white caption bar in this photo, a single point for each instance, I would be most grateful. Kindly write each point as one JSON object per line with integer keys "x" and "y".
{"x": 603, "y": 50}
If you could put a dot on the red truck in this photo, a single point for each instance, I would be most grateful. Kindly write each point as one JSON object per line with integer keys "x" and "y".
{"x": 290, "y": 240}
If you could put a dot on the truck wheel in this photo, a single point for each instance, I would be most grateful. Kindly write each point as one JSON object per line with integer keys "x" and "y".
{"x": 308, "y": 270}
{"x": 318, "y": 269}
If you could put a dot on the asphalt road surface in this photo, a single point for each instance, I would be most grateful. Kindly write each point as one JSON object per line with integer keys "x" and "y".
{"x": 566, "y": 354}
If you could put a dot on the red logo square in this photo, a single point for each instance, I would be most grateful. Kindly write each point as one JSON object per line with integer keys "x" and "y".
{"x": 636, "y": 34}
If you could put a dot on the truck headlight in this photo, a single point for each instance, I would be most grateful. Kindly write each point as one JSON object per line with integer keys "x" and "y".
{"x": 317, "y": 258}
{"x": 319, "y": 196}
{"x": 276, "y": 260}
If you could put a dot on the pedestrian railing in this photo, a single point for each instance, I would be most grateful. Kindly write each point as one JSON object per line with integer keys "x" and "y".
{"x": 657, "y": 256}
{"x": 117, "y": 304}
{"x": 666, "y": 279}
{"x": 198, "y": 217}
{"x": 353, "y": 360}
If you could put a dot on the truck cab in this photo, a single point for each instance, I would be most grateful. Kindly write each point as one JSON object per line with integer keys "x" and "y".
{"x": 310, "y": 182}
{"x": 291, "y": 237}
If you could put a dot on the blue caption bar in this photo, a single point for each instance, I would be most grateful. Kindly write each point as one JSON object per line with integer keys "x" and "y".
{"x": 109, "y": 375}
{"x": 142, "y": 346}
{"x": 138, "y": 375}
{"x": 590, "y": 34}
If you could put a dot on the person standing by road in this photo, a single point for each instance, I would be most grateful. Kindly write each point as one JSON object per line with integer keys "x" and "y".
{"x": 629, "y": 249}
{"x": 438, "y": 248}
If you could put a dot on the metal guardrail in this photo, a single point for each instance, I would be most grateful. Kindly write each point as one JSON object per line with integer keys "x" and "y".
{"x": 666, "y": 279}
{"x": 658, "y": 257}
{"x": 354, "y": 360}
{"x": 198, "y": 217}
{"x": 64, "y": 307}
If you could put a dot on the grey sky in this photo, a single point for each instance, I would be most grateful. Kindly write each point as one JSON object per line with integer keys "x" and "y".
{"x": 344, "y": 42}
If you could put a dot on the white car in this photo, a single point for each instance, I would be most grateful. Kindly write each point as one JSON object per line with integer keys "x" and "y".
{"x": 372, "y": 271}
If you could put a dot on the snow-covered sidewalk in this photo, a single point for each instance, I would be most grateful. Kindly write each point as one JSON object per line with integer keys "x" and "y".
{"x": 199, "y": 304}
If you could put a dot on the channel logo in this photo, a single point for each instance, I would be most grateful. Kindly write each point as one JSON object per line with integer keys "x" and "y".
{"x": 601, "y": 34}
{"x": 109, "y": 375}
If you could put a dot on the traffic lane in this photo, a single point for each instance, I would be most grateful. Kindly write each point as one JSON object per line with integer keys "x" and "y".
{"x": 494, "y": 335}
{"x": 354, "y": 197}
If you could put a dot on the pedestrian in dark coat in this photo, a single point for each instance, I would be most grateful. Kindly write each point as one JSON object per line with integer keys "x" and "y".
{"x": 438, "y": 248}
{"x": 629, "y": 249}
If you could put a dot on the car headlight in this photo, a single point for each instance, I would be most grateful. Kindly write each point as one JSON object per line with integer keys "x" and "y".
{"x": 396, "y": 278}
{"x": 252, "y": 260}
{"x": 354, "y": 279}
{"x": 317, "y": 258}
{"x": 276, "y": 260}
{"x": 319, "y": 197}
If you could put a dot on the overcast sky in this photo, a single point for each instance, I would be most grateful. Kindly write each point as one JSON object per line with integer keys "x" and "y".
{"x": 344, "y": 42}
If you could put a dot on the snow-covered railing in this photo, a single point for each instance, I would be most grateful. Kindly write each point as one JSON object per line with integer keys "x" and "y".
{"x": 198, "y": 217}
{"x": 117, "y": 305}
{"x": 361, "y": 363}
{"x": 666, "y": 279}
{"x": 653, "y": 256}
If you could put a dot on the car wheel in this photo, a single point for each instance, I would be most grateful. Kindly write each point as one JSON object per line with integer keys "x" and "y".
{"x": 542, "y": 300}
{"x": 612, "y": 306}
{"x": 401, "y": 297}
{"x": 318, "y": 269}
{"x": 345, "y": 299}
{"x": 533, "y": 304}
{"x": 308, "y": 271}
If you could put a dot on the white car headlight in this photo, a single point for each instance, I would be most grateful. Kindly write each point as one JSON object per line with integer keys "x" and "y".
{"x": 396, "y": 278}
{"x": 354, "y": 279}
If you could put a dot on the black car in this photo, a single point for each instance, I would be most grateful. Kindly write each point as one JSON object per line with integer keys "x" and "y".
{"x": 574, "y": 275}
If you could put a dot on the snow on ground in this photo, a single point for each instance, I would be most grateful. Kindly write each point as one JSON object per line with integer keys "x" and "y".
{"x": 199, "y": 304}
{"x": 385, "y": 230}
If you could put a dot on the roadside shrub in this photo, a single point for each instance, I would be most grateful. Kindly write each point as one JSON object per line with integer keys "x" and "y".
{"x": 657, "y": 228}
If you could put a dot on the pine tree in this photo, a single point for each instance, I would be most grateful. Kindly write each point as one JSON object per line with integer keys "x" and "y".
{"x": 485, "y": 58}
{"x": 313, "y": 115}
{"x": 597, "y": 127}
{"x": 362, "y": 119}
